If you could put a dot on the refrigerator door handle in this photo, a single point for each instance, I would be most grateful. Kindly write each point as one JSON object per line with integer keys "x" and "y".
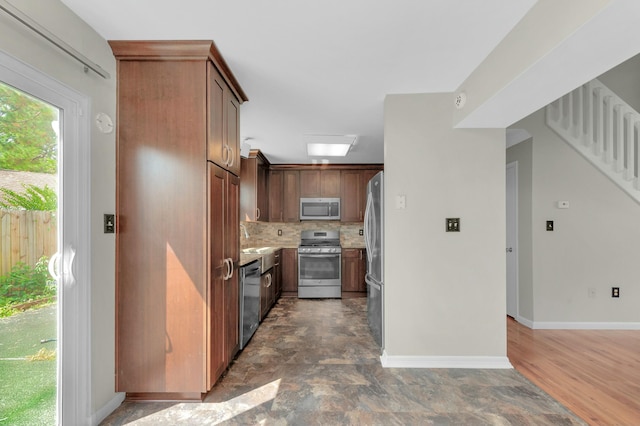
{"x": 372, "y": 283}
{"x": 367, "y": 223}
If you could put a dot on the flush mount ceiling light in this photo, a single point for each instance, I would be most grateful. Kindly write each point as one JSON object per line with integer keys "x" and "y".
{"x": 329, "y": 145}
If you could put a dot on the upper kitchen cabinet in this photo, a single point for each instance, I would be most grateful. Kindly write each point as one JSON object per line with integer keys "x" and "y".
{"x": 320, "y": 183}
{"x": 254, "y": 187}
{"x": 353, "y": 193}
{"x": 284, "y": 196}
{"x": 177, "y": 240}
{"x": 223, "y": 130}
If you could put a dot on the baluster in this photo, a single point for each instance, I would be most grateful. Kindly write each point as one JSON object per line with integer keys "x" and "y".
{"x": 597, "y": 148}
{"x": 588, "y": 140}
{"x": 629, "y": 142}
{"x": 580, "y": 114}
{"x": 620, "y": 114}
{"x": 569, "y": 127}
{"x": 608, "y": 129}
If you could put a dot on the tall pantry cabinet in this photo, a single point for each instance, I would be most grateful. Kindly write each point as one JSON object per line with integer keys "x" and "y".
{"x": 177, "y": 207}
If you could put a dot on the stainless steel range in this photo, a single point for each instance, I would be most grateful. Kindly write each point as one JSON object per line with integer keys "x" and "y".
{"x": 319, "y": 264}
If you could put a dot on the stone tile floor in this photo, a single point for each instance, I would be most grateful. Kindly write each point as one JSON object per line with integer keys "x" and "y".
{"x": 313, "y": 362}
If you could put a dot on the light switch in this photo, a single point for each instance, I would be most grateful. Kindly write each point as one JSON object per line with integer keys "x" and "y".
{"x": 401, "y": 202}
{"x": 453, "y": 224}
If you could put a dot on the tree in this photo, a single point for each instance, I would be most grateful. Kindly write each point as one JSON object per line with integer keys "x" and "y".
{"x": 27, "y": 139}
{"x": 34, "y": 198}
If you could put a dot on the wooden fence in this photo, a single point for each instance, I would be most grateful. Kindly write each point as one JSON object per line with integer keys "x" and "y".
{"x": 26, "y": 236}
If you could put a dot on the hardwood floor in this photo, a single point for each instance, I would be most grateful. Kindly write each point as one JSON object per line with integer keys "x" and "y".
{"x": 594, "y": 373}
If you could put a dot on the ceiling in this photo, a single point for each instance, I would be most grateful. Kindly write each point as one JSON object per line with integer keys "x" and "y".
{"x": 313, "y": 67}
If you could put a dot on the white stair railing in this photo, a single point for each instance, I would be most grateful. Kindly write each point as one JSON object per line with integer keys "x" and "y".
{"x": 604, "y": 129}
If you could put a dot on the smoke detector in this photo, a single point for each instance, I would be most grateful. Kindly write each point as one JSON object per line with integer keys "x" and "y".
{"x": 461, "y": 99}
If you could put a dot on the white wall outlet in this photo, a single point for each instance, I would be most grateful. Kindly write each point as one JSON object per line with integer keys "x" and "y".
{"x": 563, "y": 204}
{"x": 401, "y": 202}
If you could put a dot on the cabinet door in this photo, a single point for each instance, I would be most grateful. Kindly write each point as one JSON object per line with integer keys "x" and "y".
{"x": 310, "y": 183}
{"x": 265, "y": 284}
{"x": 263, "y": 192}
{"x": 350, "y": 269}
{"x": 291, "y": 196}
{"x": 290, "y": 270}
{"x": 276, "y": 208}
{"x": 217, "y": 266}
{"x": 362, "y": 285}
{"x": 319, "y": 183}
{"x": 232, "y": 252}
{"x": 277, "y": 276}
{"x": 330, "y": 183}
{"x": 223, "y": 123}
{"x": 350, "y": 194}
{"x": 232, "y": 132}
{"x": 216, "y": 86}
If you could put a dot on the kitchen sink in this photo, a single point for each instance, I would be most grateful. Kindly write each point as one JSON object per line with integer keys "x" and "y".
{"x": 258, "y": 250}
{"x": 268, "y": 256}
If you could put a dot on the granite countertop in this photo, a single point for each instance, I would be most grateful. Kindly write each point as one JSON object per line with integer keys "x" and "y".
{"x": 246, "y": 258}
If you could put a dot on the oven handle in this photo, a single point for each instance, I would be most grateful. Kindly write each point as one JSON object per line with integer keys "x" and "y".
{"x": 318, "y": 255}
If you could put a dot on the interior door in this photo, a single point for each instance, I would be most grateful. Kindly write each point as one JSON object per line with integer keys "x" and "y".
{"x": 512, "y": 239}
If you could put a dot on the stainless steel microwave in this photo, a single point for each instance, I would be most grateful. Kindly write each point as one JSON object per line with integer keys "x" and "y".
{"x": 319, "y": 208}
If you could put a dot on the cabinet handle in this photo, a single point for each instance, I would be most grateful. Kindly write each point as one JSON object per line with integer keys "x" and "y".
{"x": 360, "y": 254}
{"x": 231, "y": 158}
{"x": 225, "y": 155}
{"x": 230, "y": 268}
{"x": 268, "y": 280}
{"x": 257, "y": 208}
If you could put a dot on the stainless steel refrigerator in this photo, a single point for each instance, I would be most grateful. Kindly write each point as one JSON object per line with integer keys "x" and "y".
{"x": 374, "y": 242}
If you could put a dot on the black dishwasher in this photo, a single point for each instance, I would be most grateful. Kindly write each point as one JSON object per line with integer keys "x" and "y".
{"x": 249, "y": 301}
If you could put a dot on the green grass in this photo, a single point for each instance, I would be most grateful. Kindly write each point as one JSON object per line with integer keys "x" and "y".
{"x": 27, "y": 388}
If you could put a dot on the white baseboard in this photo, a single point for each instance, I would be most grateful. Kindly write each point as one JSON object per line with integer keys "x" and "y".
{"x": 525, "y": 321}
{"x": 477, "y": 362}
{"x": 550, "y": 325}
{"x": 107, "y": 409}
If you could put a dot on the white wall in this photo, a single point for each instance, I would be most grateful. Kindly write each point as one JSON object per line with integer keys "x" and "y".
{"x": 624, "y": 80}
{"x": 28, "y": 47}
{"x": 595, "y": 243}
{"x": 445, "y": 292}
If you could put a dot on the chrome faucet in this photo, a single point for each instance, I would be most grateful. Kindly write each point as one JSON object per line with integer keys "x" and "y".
{"x": 244, "y": 228}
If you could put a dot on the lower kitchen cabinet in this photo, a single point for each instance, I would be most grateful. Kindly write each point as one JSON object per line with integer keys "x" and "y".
{"x": 354, "y": 268}
{"x": 266, "y": 293}
{"x": 289, "y": 261}
{"x": 277, "y": 275}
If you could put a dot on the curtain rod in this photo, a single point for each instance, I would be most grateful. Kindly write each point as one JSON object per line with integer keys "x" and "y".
{"x": 50, "y": 37}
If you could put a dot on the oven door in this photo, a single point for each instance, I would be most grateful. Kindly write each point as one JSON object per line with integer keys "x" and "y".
{"x": 319, "y": 274}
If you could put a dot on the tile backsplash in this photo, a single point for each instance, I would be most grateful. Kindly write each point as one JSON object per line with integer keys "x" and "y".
{"x": 266, "y": 233}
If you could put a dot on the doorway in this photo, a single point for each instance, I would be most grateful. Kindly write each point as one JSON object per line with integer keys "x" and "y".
{"x": 512, "y": 238}
{"x": 71, "y": 265}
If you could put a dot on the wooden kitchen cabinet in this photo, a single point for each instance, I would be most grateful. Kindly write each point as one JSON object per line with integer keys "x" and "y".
{"x": 276, "y": 188}
{"x": 291, "y": 195}
{"x": 266, "y": 293}
{"x": 354, "y": 268}
{"x": 223, "y": 130}
{"x": 177, "y": 241}
{"x": 289, "y": 270}
{"x": 320, "y": 183}
{"x": 254, "y": 187}
{"x": 277, "y": 275}
{"x": 353, "y": 194}
{"x": 284, "y": 196}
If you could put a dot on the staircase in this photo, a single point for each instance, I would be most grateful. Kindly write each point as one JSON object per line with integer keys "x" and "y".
{"x": 604, "y": 129}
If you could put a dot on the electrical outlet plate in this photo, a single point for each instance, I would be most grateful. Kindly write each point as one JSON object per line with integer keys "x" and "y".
{"x": 615, "y": 291}
{"x": 361, "y": 232}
